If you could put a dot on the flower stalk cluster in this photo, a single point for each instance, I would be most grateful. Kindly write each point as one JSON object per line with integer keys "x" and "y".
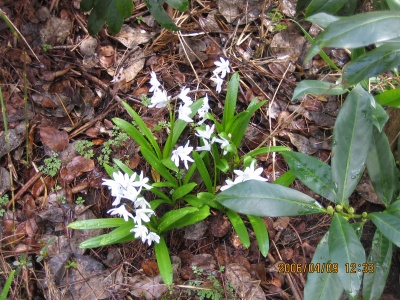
{"x": 123, "y": 186}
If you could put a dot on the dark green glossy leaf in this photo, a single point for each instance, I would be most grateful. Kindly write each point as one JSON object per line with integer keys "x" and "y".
{"x": 322, "y": 285}
{"x": 380, "y": 258}
{"x": 349, "y": 32}
{"x": 314, "y": 173}
{"x": 382, "y": 168}
{"x": 379, "y": 116}
{"x": 317, "y": 87}
{"x": 114, "y": 18}
{"x": 239, "y": 226}
{"x": 230, "y": 102}
{"x": 346, "y": 248}
{"x": 160, "y": 15}
{"x": 164, "y": 261}
{"x": 388, "y": 224}
{"x": 394, "y": 208}
{"x": 95, "y": 23}
{"x": 389, "y": 98}
{"x": 86, "y": 5}
{"x": 393, "y": 4}
{"x": 181, "y": 5}
{"x": 326, "y": 6}
{"x": 265, "y": 199}
{"x": 261, "y": 232}
{"x": 372, "y": 63}
{"x": 125, "y": 8}
{"x": 301, "y": 4}
{"x": 97, "y": 223}
{"x": 322, "y": 19}
{"x": 351, "y": 140}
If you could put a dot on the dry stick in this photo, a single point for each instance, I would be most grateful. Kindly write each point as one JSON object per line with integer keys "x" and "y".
{"x": 184, "y": 45}
{"x": 24, "y": 188}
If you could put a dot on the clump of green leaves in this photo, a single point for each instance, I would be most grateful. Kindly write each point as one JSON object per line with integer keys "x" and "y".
{"x": 45, "y": 249}
{"x": 3, "y": 201}
{"x": 83, "y": 148}
{"x": 24, "y": 262}
{"x": 51, "y": 165}
{"x": 276, "y": 17}
{"x": 71, "y": 265}
{"x": 117, "y": 139}
{"x": 79, "y": 200}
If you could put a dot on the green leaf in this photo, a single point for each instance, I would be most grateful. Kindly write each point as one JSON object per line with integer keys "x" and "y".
{"x": 326, "y": 6}
{"x": 261, "y": 232}
{"x": 388, "y": 224}
{"x": 110, "y": 170}
{"x": 181, "y": 5}
{"x": 194, "y": 217}
{"x": 164, "y": 261}
{"x": 265, "y": 199}
{"x": 125, "y": 8}
{"x": 170, "y": 219}
{"x": 380, "y": 258}
{"x": 203, "y": 198}
{"x": 317, "y": 87}
{"x": 322, "y": 19}
{"x": 113, "y": 237}
{"x": 114, "y": 19}
{"x": 389, "y": 98}
{"x": 322, "y": 285}
{"x": 382, "y": 168}
{"x": 230, "y": 102}
{"x": 372, "y": 63}
{"x": 394, "y": 209}
{"x": 158, "y": 166}
{"x": 123, "y": 167}
{"x": 393, "y": 4}
{"x": 97, "y": 223}
{"x": 314, "y": 173}
{"x": 95, "y": 23}
{"x": 143, "y": 128}
{"x": 265, "y": 150}
{"x": 159, "y": 14}
{"x": 379, "y": 116}
{"x": 346, "y": 248}
{"x": 239, "y": 226}
{"x": 7, "y": 285}
{"x": 183, "y": 190}
{"x": 349, "y": 32}
{"x": 285, "y": 179}
{"x": 351, "y": 140}
{"x": 204, "y": 173}
{"x": 86, "y": 5}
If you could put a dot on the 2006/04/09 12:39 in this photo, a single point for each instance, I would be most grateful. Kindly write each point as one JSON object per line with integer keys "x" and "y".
{"x": 324, "y": 268}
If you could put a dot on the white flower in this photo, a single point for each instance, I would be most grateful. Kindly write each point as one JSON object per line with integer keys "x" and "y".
{"x": 142, "y": 182}
{"x": 229, "y": 183}
{"x": 130, "y": 193}
{"x": 183, "y": 96}
{"x": 218, "y": 81}
{"x": 118, "y": 185}
{"x": 223, "y": 67}
{"x": 203, "y": 110}
{"x": 152, "y": 237}
{"x": 206, "y": 134}
{"x": 223, "y": 141}
{"x": 250, "y": 173}
{"x": 182, "y": 153}
{"x": 184, "y": 112}
{"x": 121, "y": 211}
{"x": 143, "y": 214}
{"x": 206, "y": 147}
{"x": 159, "y": 99}
{"x": 155, "y": 84}
{"x": 142, "y": 203}
{"x": 140, "y": 231}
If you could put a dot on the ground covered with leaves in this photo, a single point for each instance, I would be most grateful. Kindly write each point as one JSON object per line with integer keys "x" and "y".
{"x": 62, "y": 88}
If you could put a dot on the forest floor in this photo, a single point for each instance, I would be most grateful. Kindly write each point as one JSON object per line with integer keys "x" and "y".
{"x": 62, "y": 136}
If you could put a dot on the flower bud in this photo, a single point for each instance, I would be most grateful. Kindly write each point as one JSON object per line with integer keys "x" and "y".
{"x": 329, "y": 210}
{"x": 339, "y": 208}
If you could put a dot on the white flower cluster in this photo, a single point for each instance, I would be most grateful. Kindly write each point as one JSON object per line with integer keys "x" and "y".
{"x": 248, "y": 174}
{"x": 222, "y": 68}
{"x": 130, "y": 187}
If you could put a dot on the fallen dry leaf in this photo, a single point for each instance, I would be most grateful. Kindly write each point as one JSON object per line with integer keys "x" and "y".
{"x": 53, "y": 138}
{"x": 75, "y": 168}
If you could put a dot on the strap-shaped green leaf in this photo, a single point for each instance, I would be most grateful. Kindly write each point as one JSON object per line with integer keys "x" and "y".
{"x": 169, "y": 220}
{"x": 322, "y": 285}
{"x": 183, "y": 190}
{"x": 118, "y": 235}
{"x": 389, "y": 98}
{"x": 350, "y": 32}
{"x": 388, "y": 224}
{"x": 346, "y": 248}
{"x": 286, "y": 179}
{"x": 239, "y": 226}
{"x": 351, "y": 140}
{"x": 7, "y": 285}
{"x": 181, "y": 5}
{"x": 326, "y": 6}
{"x": 314, "y": 173}
{"x": 204, "y": 173}
{"x": 164, "y": 261}
{"x": 382, "y": 168}
{"x": 265, "y": 199}
{"x": 160, "y": 15}
{"x": 97, "y": 223}
{"x": 379, "y": 116}
{"x": 379, "y": 261}
{"x": 125, "y": 8}
{"x": 317, "y": 87}
{"x": 261, "y": 232}
{"x": 372, "y": 63}
{"x": 230, "y": 102}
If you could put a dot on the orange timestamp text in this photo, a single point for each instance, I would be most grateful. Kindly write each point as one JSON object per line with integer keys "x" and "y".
{"x": 308, "y": 268}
